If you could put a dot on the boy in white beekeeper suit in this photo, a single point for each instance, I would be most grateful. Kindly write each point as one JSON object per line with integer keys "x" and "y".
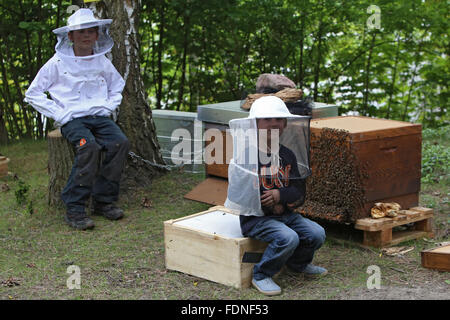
{"x": 267, "y": 181}
{"x": 85, "y": 89}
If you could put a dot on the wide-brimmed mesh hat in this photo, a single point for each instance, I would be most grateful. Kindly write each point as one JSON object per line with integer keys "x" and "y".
{"x": 255, "y": 160}
{"x": 84, "y": 19}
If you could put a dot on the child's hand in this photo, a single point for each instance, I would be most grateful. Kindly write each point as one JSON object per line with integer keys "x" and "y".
{"x": 270, "y": 198}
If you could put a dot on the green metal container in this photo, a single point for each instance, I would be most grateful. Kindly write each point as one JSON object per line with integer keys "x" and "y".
{"x": 166, "y": 122}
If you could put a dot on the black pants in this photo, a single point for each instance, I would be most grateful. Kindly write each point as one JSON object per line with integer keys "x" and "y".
{"x": 91, "y": 136}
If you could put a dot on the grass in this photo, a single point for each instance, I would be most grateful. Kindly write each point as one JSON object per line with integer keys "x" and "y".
{"x": 125, "y": 259}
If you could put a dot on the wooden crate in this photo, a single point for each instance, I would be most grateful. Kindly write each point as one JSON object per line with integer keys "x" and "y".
{"x": 379, "y": 232}
{"x": 387, "y": 155}
{"x": 437, "y": 258}
{"x": 215, "y": 251}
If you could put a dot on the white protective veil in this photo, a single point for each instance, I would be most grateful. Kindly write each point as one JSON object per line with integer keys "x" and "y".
{"x": 258, "y": 160}
{"x": 83, "y": 19}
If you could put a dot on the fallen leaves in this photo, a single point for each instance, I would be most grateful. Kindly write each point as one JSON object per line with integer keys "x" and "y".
{"x": 396, "y": 251}
{"x": 10, "y": 282}
{"x": 146, "y": 202}
{"x": 4, "y": 187}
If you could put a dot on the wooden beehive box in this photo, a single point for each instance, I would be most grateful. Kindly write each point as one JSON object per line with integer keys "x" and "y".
{"x": 220, "y": 168}
{"x": 382, "y": 164}
{"x": 437, "y": 258}
{"x": 210, "y": 245}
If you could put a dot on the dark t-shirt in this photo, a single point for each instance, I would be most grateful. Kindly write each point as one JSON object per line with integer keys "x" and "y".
{"x": 287, "y": 180}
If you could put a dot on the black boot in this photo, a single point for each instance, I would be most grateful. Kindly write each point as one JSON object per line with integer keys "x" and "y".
{"x": 79, "y": 220}
{"x": 108, "y": 210}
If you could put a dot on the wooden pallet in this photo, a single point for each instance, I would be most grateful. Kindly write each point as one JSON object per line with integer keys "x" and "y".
{"x": 379, "y": 232}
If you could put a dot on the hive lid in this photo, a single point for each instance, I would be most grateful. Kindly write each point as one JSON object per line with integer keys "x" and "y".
{"x": 365, "y": 128}
{"x": 221, "y": 112}
{"x": 173, "y": 114}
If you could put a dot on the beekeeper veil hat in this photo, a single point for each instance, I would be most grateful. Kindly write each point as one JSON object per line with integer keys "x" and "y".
{"x": 261, "y": 154}
{"x": 83, "y": 19}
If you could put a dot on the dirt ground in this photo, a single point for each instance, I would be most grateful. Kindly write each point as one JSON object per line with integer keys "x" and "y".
{"x": 429, "y": 292}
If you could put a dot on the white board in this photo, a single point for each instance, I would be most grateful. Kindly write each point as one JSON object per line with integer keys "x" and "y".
{"x": 215, "y": 222}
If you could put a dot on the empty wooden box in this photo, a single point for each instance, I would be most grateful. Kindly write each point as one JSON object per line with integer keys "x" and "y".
{"x": 210, "y": 245}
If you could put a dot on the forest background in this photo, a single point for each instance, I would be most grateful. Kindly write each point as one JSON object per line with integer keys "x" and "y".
{"x": 387, "y": 59}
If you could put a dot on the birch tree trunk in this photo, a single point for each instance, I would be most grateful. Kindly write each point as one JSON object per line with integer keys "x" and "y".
{"x": 60, "y": 161}
{"x": 134, "y": 115}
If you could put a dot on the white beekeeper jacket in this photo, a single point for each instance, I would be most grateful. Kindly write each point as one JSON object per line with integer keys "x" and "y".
{"x": 78, "y": 86}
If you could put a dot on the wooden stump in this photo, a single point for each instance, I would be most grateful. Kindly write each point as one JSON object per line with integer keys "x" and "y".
{"x": 60, "y": 160}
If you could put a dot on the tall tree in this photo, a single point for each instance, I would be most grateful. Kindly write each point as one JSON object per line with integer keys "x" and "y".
{"x": 135, "y": 115}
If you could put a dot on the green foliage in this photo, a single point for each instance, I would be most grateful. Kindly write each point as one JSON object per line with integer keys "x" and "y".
{"x": 22, "y": 196}
{"x": 199, "y": 52}
{"x": 32, "y": 26}
{"x": 436, "y": 155}
{"x": 441, "y": 134}
{"x": 398, "y": 72}
{"x": 21, "y": 192}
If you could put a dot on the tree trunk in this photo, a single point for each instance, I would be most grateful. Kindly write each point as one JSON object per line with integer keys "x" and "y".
{"x": 135, "y": 115}
{"x": 23, "y": 107}
{"x": 300, "y": 63}
{"x": 394, "y": 76}
{"x": 414, "y": 73}
{"x": 365, "y": 107}
{"x": 3, "y": 132}
{"x": 8, "y": 103}
{"x": 60, "y": 160}
{"x": 318, "y": 62}
{"x": 160, "y": 54}
{"x": 183, "y": 62}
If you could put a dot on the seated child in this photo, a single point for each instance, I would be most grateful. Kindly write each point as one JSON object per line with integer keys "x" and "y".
{"x": 292, "y": 239}
{"x": 85, "y": 90}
